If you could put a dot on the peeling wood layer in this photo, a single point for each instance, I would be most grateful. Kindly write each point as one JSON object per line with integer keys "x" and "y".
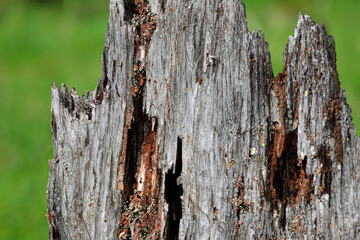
{"x": 188, "y": 135}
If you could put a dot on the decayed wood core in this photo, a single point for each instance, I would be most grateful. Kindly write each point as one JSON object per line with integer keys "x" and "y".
{"x": 139, "y": 175}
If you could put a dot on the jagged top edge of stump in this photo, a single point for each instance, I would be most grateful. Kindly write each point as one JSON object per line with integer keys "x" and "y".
{"x": 305, "y": 23}
{"x": 302, "y": 19}
{"x": 90, "y": 100}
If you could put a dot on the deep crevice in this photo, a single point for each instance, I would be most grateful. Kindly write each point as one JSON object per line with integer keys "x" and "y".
{"x": 141, "y": 175}
{"x": 324, "y": 155}
{"x": 53, "y": 126}
{"x": 142, "y": 180}
{"x": 163, "y": 5}
{"x": 99, "y": 94}
{"x": 129, "y": 10}
{"x": 67, "y": 99}
{"x": 135, "y": 138}
{"x": 53, "y": 230}
{"x": 173, "y": 193}
{"x": 105, "y": 79}
{"x": 144, "y": 23}
{"x": 241, "y": 204}
{"x": 288, "y": 179}
{"x": 55, "y": 234}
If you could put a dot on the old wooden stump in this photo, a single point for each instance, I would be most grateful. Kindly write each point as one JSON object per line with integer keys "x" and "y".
{"x": 188, "y": 135}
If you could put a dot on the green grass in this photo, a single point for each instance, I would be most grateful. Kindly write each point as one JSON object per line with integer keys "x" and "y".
{"x": 38, "y": 45}
{"x": 41, "y": 44}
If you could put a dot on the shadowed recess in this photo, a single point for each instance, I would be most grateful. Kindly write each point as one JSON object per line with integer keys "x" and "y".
{"x": 173, "y": 193}
{"x": 288, "y": 179}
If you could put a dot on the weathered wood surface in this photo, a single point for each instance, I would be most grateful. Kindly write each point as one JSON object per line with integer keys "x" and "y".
{"x": 189, "y": 135}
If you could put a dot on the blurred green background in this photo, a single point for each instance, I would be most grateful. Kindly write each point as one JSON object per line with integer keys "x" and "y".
{"x": 47, "y": 41}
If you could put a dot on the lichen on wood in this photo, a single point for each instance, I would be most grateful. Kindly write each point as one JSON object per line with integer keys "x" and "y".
{"x": 188, "y": 134}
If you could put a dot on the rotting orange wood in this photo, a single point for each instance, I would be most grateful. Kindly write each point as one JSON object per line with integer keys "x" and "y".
{"x": 274, "y": 153}
{"x": 237, "y": 230}
{"x": 261, "y": 190}
{"x": 50, "y": 217}
{"x": 142, "y": 208}
{"x": 332, "y": 118}
{"x": 325, "y": 170}
{"x": 335, "y": 109}
{"x": 240, "y": 203}
{"x": 144, "y": 25}
{"x": 121, "y": 168}
{"x": 296, "y": 100}
{"x": 287, "y": 177}
{"x": 141, "y": 198}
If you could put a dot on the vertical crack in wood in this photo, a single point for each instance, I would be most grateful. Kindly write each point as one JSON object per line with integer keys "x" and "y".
{"x": 333, "y": 124}
{"x": 141, "y": 213}
{"x": 129, "y": 10}
{"x": 135, "y": 137}
{"x": 173, "y": 194}
{"x": 163, "y": 5}
{"x": 67, "y": 99}
{"x": 275, "y": 145}
{"x": 99, "y": 94}
{"x": 139, "y": 174}
{"x": 287, "y": 176}
{"x": 288, "y": 179}
{"x": 144, "y": 25}
{"x": 53, "y": 127}
{"x": 104, "y": 81}
{"x": 297, "y": 182}
{"x": 53, "y": 231}
{"x": 324, "y": 155}
{"x": 241, "y": 204}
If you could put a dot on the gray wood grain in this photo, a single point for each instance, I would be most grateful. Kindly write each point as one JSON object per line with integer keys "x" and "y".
{"x": 189, "y": 134}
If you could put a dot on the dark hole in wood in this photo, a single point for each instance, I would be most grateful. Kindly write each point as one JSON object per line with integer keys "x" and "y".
{"x": 89, "y": 112}
{"x": 325, "y": 178}
{"x": 129, "y": 7}
{"x": 53, "y": 126}
{"x": 99, "y": 95}
{"x": 291, "y": 171}
{"x": 163, "y": 4}
{"x": 288, "y": 178}
{"x": 135, "y": 138}
{"x": 68, "y": 102}
{"x": 55, "y": 234}
{"x": 87, "y": 139}
{"x": 348, "y": 138}
{"x": 173, "y": 193}
{"x": 287, "y": 170}
{"x": 330, "y": 121}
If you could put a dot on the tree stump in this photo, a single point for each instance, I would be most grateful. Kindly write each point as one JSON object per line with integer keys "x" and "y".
{"x": 188, "y": 135}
